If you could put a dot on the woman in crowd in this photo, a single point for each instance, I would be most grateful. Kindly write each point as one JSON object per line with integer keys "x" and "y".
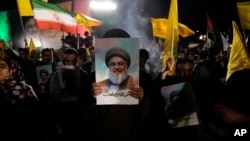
{"x": 17, "y": 104}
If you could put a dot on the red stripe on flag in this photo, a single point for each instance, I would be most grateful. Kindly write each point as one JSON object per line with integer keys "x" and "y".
{"x": 209, "y": 23}
{"x": 56, "y": 26}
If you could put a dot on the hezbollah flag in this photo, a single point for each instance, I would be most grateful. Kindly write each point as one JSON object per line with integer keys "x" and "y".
{"x": 24, "y": 8}
{"x": 53, "y": 17}
{"x": 239, "y": 58}
{"x": 31, "y": 46}
{"x": 81, "y": 20}
{"x": 172, "y": 36}
{"x": 159, "y": 26}
{"x": 244, "y": 14}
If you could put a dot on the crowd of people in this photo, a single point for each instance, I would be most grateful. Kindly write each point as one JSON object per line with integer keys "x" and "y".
{"x": 63, "y": 107}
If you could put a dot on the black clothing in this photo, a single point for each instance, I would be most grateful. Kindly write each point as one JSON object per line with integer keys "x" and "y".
{"x": 27, "y": 68}
{"x": 75, "y": 105}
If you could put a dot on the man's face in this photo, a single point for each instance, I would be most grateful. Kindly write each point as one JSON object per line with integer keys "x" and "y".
{"x": 60, "y": 54}
{"x": 117, "y": 66}
{"x": 117, "y": 70}
{"x": 44, "y": 76}
{"x": 34, "y": 54}
{"x": 70, "y": 59}
{"x": 31, "y": 27}
{"x": 22, "y": 54}
{"x": 185, "y": 71}
{"x": 47, "y": 56}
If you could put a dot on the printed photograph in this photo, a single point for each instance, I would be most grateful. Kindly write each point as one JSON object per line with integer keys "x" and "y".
{"x": 180, "y": 102}
{"x": 117, "y": 69}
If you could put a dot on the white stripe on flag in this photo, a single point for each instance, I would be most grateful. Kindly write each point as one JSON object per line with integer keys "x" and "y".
{"x": 54, "y": 16}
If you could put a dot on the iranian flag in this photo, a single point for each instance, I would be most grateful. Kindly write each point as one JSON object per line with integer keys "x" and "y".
{"x": 52, "y": 16}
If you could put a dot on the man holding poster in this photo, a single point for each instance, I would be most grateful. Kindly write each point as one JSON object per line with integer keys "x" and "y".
{"x": 119, "y": 85}
{"x": 117, "y": 69}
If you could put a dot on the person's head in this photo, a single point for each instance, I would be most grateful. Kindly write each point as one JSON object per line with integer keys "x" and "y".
{"x": 174, "y": 96}
{"x": 144, "y": 56}
{"x": 118, "y": 61}
{"x": 82, "y": 54}
{"x": 34, "y": 54}
{"x": 30, "y": 25}
{"x": 180, "y": 108}
{"x": 71, "y": 40}
{"x": 9, "y": 69}
{"x": 116, "y": 33}
{"x": 203, "y": 55}
{"x": 92, "y": 53}
{"x": 44, "y": 75}
{"x": 60, "y": 53}
{"x": 185, "y": 68}
{"x": 86, "y": 33}
{"x": 70, "y": 56}
{"x": 47, "y": 55}
{"x": 23, "y": 53}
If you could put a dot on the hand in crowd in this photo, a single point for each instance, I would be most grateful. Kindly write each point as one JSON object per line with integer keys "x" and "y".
{"x": 97, "y": 89}
{"x": 137, "y": 92}
{"x": 171, "y": 62}
{"x": 62, "y": 85}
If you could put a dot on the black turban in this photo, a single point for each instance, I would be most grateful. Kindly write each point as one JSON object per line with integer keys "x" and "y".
{"x": 118, "y": 52}
{"x": 116, "y": 33}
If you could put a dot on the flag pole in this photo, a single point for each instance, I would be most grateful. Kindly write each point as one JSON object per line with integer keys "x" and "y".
{"x": 244, "y": 35}
{"x": 172, "y": 42}
{"x": 78, "y": 34}
{"x": 93, "y": 42}
{"x": 25, "y": 37}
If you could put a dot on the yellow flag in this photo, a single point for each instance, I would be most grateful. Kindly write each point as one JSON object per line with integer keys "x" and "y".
{"x": 32, "y": 46}
{"x": 24, "y": 8}
{"x": 171, "y": 39}
{"x": 244, "y": 14}
{"x": 184, "y": 31}
{"x": 159, "y": 27}
{"x": 239, "y": 58}
{"x": 81, "y": 20}
{"x": 2, "y": 53}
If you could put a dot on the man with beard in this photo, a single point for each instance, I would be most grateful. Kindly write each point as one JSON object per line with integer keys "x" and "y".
{"x": 118, "y": 61}
{"x": 121, "y": 122}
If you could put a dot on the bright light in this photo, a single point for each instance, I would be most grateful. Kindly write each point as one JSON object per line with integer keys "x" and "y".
{"x": 202, "y": 37}
{"x": 103, "y": 5}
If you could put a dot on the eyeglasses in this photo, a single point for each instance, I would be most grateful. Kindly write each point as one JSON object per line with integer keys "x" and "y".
{"x": 4, "y": 66}
{"x": 119, "y": 64}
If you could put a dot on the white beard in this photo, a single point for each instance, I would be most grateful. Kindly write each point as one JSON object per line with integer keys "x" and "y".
{"x": 118, "y": 79}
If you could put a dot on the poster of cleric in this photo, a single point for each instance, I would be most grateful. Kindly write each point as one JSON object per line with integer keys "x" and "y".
{"x": 117, "y": 70}
{"x": 180, "y": 104}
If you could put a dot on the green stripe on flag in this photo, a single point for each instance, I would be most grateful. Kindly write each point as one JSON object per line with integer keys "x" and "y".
{"x": 37, "y": 4}
{"x": 52, "y": 16}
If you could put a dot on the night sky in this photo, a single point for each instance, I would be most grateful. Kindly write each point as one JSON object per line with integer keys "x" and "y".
{"x": 191, "y": 12}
